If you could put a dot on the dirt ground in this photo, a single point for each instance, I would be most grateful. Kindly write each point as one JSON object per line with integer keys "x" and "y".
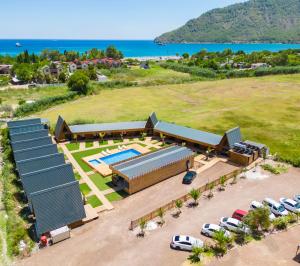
{"x": 108, "y": 241}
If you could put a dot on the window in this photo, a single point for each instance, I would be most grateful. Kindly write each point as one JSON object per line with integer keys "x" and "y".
{"x": 232, "y": 224}
{"x": 186, "y": 243}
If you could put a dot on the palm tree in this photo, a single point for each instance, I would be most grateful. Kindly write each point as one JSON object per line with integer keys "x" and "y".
{"x": 258, "y": 219}
{"x": 161, "y": 214}
{"x": 222, "y": 183}
{"x": 143, "y": 135}
{"x": 162, "y": 136}
{"x": 207, "y": 153}
{"x": 195, "y": 257}
{"x": 195, "y": 195}
{"x": 222, "y": 242}
{"x": 102, "y": 135}
{"x": 211, "y": 187}
{"x": 142, "y": 224}
{"x": 178, "y": 204}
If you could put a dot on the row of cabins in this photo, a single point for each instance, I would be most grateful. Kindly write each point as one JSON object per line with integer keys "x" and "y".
{"x": 49, "y": 184}
{"x": 148, "y": 169}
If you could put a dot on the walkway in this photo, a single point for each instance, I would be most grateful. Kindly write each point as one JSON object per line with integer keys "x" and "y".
{"x": 86, "y": 179}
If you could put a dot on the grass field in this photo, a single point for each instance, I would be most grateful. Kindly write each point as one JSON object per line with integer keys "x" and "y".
{"x": 94, "y": 201}
{"x": 267, "y": 109}
{"x": 85, "y": 189}
{"x": 101, "y": 182}
{"x": 117, "y": 195}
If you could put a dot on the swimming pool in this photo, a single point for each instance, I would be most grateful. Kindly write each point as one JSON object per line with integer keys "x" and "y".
{"x": 94, "y": 162}
{"x": 120, "y": 156}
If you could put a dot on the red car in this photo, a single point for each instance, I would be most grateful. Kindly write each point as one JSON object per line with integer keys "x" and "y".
{"x": 239, "y": 214}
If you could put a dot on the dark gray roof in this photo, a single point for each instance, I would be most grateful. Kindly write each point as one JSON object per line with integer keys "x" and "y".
{"x": 59, "y": 126}
{"x": 35, "y": 152}
{"x": 153, "y": 119}
{"x": 150, "y": 162}
{"x": 57, "y": 206}
{"x": 233, "y": 136}
{"x": 24, "y": 122}
{"x": 24, "y": 129}
{"x": 30, "y": 143}
{"x": 29, "y": 135}
{"x": 108, "y": 127}
{"x": 47, "y": 178}
{"x": 188, "y": 133}
{"x": 32, "y": 165}
{"x": 255, "y": 144}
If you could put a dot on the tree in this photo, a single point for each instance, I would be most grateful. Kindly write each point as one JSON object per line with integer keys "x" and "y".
{"x": 258, "y": 219}
{"x": 211, "y": 187}
{"x": 24, "y": 72}
{"x": 195, "y": 195}
{"x": 207, "y": 153}
{"x": 161, "y": 214}
{"x": 178, "y": 204}
{"x": 112, "y": 52}
{"x": 195, "y": 257}
{"x": 186, "y": 56}
{"x": 162, "y": 136}
{"x": 62, "y": 77}
{"x": 222, "y": 242}
{"x": 143, "y": 225}
{"x": 143, "y": 135}
{"x": 79, "y": 82}
{"x": 102, "y": 135}
{"x": 222, "y": 183}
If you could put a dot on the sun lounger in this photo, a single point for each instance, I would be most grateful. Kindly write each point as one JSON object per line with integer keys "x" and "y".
{"x": 124, "y": 147}
{"x": 119, "y": 147}
{"x": 104, "y": 153}
{"x": 108, "y": 151}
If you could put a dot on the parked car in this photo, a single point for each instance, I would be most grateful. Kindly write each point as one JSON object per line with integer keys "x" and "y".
{"x": 290, "y": 205}
{"x": 255, "y": 205}
{"x": 297, "y": 198}
{"x": 187, "y": 243}
{"x": 234, "y": 225}
{"x": 210, "y": 229}
{"x": 239, "y": 214}
{"x": 275, "y": 207}
{"x": 189, "y": 177}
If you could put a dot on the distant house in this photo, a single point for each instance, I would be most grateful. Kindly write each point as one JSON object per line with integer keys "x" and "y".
{"x": 258, "y": 65}
{"x": 110, "y": 62}
{"x": 72, "y": 67}
{"x": 54, "y": 69}
{"x": 16, "y": 81}
{"x": 101, "y": 78}
{"x": 144, "y": 65}
{"x": 5, "y": 69}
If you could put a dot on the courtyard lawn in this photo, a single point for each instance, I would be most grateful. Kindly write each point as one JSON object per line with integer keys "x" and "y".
{"x": 79, "y": 155}
{"x": 85, "y": 189}
{"x": 77, "y": 176}
{"x": 118, "y": 140}
{"x": 115, "y": 196}
{"x": 73, "y": 146}
{"x": 267, "y": 108}
{"x": 104, "y": 142}
{"x": 101, "y": 182}
{"x": 89, "y": 144}
{"x": 94, "y": 201}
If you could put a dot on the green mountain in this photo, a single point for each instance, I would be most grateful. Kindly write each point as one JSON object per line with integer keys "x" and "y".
{"x": 251, "y": 21}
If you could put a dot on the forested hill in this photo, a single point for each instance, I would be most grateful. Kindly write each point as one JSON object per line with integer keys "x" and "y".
{"x": 251, "y": 21}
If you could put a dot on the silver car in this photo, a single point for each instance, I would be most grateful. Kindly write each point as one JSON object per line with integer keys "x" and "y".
{"x": 210, "y": 229}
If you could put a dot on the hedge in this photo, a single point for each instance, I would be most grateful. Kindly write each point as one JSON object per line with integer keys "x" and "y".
{"x": 277, "y": 70}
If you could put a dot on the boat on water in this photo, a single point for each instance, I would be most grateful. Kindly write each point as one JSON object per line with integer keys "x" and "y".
{"x": 18, "y": 44}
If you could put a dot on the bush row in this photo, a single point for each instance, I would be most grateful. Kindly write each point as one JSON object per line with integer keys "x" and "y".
{"x": 44, "y": 103}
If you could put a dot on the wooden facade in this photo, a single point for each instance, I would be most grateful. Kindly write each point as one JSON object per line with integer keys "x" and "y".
{"x": 242, "y": 159}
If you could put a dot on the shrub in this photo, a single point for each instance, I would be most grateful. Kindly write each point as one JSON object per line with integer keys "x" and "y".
{"x": 280, "y": 223}
{"x": 21, "y": 101}
{"x": 79, "y": 82}
{"x": 277, "y": 70}
{"x": 43, "y": 104}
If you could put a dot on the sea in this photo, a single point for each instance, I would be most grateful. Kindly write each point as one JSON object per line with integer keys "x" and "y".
{"x": 131, "y": 48}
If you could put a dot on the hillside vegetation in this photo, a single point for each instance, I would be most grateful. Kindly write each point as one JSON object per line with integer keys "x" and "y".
{"x": 252, "y": 21}
{"x": 267, "y": 109}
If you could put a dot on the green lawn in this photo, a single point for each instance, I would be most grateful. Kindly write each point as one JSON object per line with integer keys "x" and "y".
{"x": 77, "y": 176}
{"x": 104, "y": 142}
{"x": 118, "y": 140}
{"x": 89, "y": 144}
{"x": 115, "y": 196}
{"x": 267, "y": 108}
{"x": 85, "y": 189}
{"x": 101, "y": 182}
{"x": 153, "y": 149}
{"x": 79, "y": 155}
{"x": 94, "y": 201}
{"x": 73, "y": 146}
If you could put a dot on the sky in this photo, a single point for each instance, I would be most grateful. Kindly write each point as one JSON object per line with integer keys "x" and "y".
{"x": 98, "y": 19}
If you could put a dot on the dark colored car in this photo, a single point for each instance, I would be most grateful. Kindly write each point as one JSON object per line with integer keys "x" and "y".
{"x": 189, "y": 177}
{"x": 239, "y": 214}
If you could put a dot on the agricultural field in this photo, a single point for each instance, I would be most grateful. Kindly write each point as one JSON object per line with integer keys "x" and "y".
{"x": 267, "y": 109}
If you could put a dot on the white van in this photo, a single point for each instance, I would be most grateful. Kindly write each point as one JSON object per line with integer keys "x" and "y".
{"x": 275, "y": 207}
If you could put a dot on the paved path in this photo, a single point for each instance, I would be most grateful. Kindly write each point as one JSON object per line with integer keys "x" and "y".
{"x": 87, "y": 180}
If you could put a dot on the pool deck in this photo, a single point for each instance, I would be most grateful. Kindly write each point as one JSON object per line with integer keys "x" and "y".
{"x": 103, "y": 168}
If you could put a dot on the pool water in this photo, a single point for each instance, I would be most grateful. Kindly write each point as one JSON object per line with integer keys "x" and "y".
{"x": 120, "y": 156}
{"x": 94, "y": 162}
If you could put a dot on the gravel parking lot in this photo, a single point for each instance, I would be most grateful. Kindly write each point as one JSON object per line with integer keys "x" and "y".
{"x": 108, "y": 241}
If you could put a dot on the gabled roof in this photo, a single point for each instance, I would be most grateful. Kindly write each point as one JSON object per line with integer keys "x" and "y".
{"x": 57, "y": 206}
{"x": 24, "y": 122}
{"x": 61, "y": 128}
{"x": 30, "y": 143}
{"x": 47, "y": 178}
{"x": 153, "y": 161}
{"x": 120, "y": 126}
{"x": 152, "y": 121}
{"x": 25, "y": 129}
{"x": 36, "y": 164}
{"x": 35, "y": 152}
{"x": 29, "y": 135}
{"x": 233, "y": 136}
{"x": 188, "y": 133}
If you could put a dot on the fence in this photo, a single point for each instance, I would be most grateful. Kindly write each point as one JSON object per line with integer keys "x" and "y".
{"x": 184, "y": 198}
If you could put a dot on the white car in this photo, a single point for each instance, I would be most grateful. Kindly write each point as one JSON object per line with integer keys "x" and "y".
{"x": 234, "y": 225}
{"x": 275, "y": 207}
{"x": 187, "y": 243}
{"x": 297, "y": 198}
{"x": 210, "y": 229}
{"x": 255, "y": 205}
{"x": 290, "y": 205}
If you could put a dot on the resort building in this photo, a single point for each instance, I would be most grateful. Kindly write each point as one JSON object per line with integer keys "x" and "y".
{"x": 143, "y": 171}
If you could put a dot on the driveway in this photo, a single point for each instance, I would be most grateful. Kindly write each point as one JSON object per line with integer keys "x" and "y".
{"x": 108, "y": 241}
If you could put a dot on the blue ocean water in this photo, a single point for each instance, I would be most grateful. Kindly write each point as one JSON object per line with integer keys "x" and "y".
{"x": 131, "y": 48}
